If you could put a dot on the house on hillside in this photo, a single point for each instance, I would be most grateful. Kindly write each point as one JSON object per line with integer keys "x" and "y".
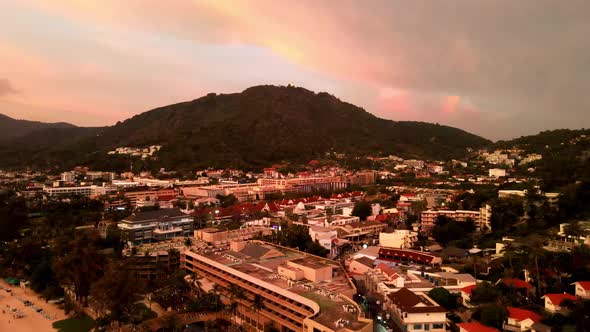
{"x": 520, "y": 319}
{"x": 554, "y": 302}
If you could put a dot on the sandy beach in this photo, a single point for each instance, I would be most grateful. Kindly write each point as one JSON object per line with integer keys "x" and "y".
{"x": 32, "y": 320}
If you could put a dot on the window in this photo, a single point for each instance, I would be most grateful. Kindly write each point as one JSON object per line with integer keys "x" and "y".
{"x": 417, "y": 326}
{"x": 426, "y": 327}
{"x": 437, "y": 326}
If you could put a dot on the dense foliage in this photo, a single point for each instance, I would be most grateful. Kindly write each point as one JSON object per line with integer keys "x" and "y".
{"x": 259, "y": 126}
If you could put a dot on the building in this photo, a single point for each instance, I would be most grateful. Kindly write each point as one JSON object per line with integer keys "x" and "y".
{"x": 155, "y": 260}
{"x": 407, "y": 256}
{"x": 216, "y": 236}
{"x": 475, "y": 327}
{"x": 466, "y": 295}
{"x": 399, "y": 238}
{"x": 68, "y": 176}
{"x": 299, "y": 292}
{"x": 519, "y": 319}
{"x": 582, "y": 289}
{"x": 360, "y": 231}
{"x": 415, "y": 311}
{"x": 496, "y": 172}
{"x": 554, "y": 302}
{"x": 146, "y": 195}
{"x": 156, "y": 225}
{"x": 362, "y": 178}
{"x": 361, "y": 265}
{"x": 481, "y": 218}
{"x": 63, "y": 191}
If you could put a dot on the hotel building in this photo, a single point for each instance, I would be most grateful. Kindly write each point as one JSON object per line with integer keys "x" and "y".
{"x": 300, "y": 292}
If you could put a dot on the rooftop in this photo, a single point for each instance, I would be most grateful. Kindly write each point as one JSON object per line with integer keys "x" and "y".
{"x": 410, "y": 302}
{"x": 262, "y": 260}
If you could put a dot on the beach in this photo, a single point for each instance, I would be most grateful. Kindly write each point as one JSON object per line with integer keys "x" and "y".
{"x": 31, "y": 320}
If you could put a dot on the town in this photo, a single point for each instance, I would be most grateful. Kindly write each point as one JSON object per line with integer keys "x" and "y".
{"x": 375, "y": 243}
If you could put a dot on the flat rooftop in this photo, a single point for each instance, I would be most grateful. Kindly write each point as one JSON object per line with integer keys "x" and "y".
{"x": 262, "y": 262}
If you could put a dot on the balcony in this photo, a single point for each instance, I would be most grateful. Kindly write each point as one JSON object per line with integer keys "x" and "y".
{"x": 510, "y": 327}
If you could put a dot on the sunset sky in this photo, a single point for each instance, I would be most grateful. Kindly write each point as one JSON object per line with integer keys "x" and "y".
{"x": 498, "y": 68}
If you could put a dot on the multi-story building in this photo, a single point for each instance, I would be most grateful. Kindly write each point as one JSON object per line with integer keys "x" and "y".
{"x": 68, "y": 176}
{"x": 143, "y": 195}
{"x": 415, "y": 311}
{"x": 217, "y": 236}
{"x": 481, "y": 218}
{"x": 299, "y": 292}
{"x": 156, "y": 225}
{"x": 496, "y": 172}
{"x": 78, "y": 190}
{"x": 362, "y": 178}
{"x": 155, "y": 260}
{"x": 399, "y": 238}
{"x": 307, "y": 183}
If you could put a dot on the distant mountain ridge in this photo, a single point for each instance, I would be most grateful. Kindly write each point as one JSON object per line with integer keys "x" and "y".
{"x": 13, "y": 128}
{"x": 259, "y": 126}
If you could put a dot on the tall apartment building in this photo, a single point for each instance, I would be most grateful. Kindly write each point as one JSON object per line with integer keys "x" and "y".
{"x": 299, "y": 292}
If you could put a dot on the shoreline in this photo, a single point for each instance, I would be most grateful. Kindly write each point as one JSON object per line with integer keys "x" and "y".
{"x": 31, "y": 320}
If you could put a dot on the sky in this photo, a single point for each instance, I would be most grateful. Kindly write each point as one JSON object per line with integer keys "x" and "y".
{"x": 496, "y": 68}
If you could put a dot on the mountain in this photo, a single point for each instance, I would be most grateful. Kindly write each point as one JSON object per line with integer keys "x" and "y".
{"x": 257, "y": 127}
{"x": 12, "y": 128}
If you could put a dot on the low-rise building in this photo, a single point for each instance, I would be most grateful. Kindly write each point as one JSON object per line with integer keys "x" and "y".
{"x": 415, "y": 311}
{"x": 496, "y": 172}
{"x": 519, "y": 319}
{"x": 582, "y": 289}
{"x": 554, "y": 302}
{"x": 475, "y": 327}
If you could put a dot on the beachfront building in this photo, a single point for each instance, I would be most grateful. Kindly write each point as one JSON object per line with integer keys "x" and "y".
{"x": 299, "y": 292}
{"x": 156, "y": 225}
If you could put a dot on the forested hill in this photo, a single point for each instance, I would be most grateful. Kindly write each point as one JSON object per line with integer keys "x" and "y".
{"x": 262, "y": 125}
{"x": 566, "y": 156}
{"x": 11, "y": 128}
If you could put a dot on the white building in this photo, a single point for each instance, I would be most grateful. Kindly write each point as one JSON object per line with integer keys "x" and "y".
{"x": 415, "y": 311}
{"x": 496, "y": 172}
{"x": 583, "y": 289}
{"x": 399, "y": 238}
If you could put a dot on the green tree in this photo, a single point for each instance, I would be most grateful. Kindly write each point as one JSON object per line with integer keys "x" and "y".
{"x": 117, "y": 291}
{"x": 362, "y": 209}
{"x": 484, "y": 293}
{"x": 443, "y": 297}
{"x": 79, "y": 264}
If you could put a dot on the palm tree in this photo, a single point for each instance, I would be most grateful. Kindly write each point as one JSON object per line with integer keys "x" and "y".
{"x": 535, "y": 250}
{"x": 257, "y": 306}
{"x": 217, "y": 291}
{"x": 196, "y": 280}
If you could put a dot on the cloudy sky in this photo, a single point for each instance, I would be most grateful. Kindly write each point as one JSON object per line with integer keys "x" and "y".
{"x": 498, "y": 68}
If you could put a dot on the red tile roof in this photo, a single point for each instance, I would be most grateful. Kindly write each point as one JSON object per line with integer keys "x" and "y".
{"x": 517, "y": 283}
{"x": 468, "y": 289}
{"x": 557, "y": 299}
{"x": 476, "y": 327}
{"x": 403, "y": 254}
{"x": 388, "y": 270}
{"x": 522, "y": 314}
{"x": 584, "y": 284}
